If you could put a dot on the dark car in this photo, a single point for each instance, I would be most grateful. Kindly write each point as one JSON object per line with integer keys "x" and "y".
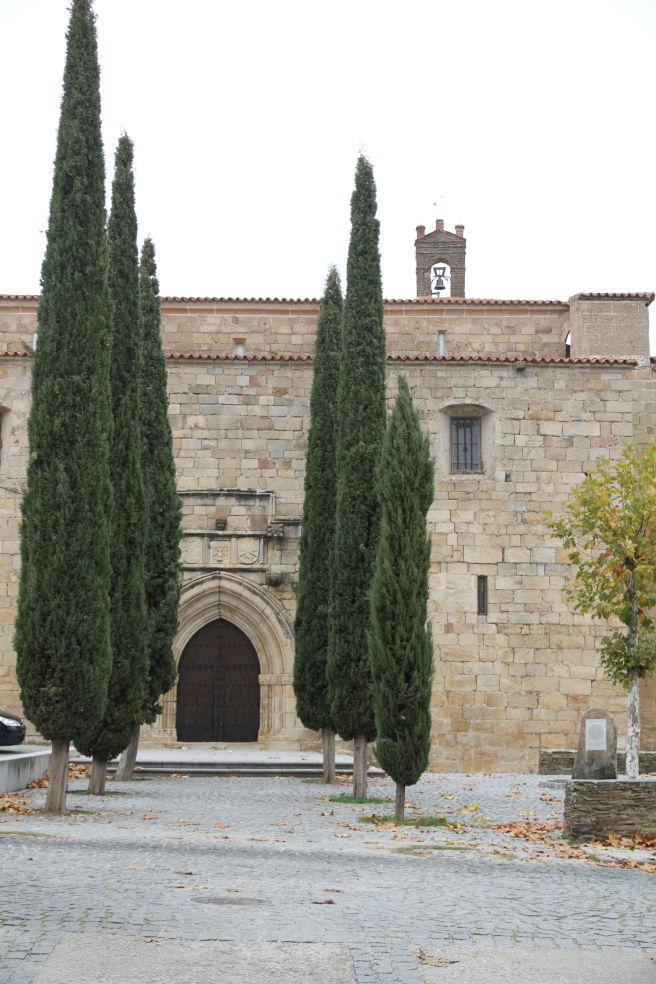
{"x": 12, "y": 729}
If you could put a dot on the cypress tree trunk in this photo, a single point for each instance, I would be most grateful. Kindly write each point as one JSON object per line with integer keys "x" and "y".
{"x": 360, "y": 766}
{"x": 98, "y": 777}
{"x": 318, "y": 532}
{"x": 129, "y": 633}
{"x": 360, "y": 430}
{"x": 62, "y": 630}
{"x": 399, "y": 803}
{"x": 400, "y": 641}
{"x": 128, "y": 759}
{"x": 56, "y": 795}
{"x": 328, "y": 753}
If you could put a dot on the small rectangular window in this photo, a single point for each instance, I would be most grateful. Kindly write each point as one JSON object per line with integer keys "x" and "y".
{"x": 466, "y": 444}
{"x": 481, "y": 588}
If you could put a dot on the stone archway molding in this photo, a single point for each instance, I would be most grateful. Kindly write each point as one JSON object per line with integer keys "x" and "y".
{"x": 267, "y": 624}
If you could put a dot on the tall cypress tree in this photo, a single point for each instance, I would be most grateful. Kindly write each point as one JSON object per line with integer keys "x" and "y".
{"x": 401, "y": 647}
{"x": 62, "y": 630}
{"x": 129, "y": 635}
{"x": 162, "y": 510}
{"x": 317, "y": 537}
{"x": 360, "y": 430}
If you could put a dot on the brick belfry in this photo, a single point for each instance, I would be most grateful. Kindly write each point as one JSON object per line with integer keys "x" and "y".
{"x": 440, "y": 246}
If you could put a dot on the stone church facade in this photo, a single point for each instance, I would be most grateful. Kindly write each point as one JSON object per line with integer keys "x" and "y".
{"x": 518, "y": 398}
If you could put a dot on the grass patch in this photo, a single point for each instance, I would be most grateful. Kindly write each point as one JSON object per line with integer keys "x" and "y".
{"x": 317, "y": 782}
{"x": 28, "y": 833}
{"x": 416, "y": 848}
{"x": 347, "y": 798}
{"x": 387, "y": 819}
{"x": 133, "y": 779}
{"x": 108, "y": 792}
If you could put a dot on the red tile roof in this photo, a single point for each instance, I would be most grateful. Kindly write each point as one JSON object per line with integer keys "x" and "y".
{"x": 419, "y": 357}
{"x": 252, "y": 357}
{"x": 431, "y": 301}
{"x": 533, "y": 359}
{"x": 647, "y": 296}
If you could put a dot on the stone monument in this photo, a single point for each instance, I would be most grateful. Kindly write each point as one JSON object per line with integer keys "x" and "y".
{"x": 596, "y": 757}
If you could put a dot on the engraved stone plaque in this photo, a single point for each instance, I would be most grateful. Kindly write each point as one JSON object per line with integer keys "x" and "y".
{"x": 192, "y": 550}
{"x": 595, "y": 735}
{"x": 219, "y": 551}
{"x": 248, "y": 551}
{"x": 596, "y": 757}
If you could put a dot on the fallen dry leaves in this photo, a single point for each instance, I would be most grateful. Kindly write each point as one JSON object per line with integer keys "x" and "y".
{"x": 425, "y": 958}
{"x": 546, "y": 835}
{"x": 323, "y": 902}
{"x": 76, "y": 770}
{"x": 15, "y": 803}
{"x": 637, "y": 840}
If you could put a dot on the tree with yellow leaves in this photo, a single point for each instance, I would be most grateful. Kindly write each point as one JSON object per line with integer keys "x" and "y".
{"x": 609, "y": 527}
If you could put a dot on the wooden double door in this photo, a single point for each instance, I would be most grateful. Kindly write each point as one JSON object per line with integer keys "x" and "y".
{"x": 218, "y": 686}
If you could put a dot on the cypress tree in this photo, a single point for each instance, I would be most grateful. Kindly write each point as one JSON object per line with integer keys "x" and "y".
{"x": 317, "y": 537}
{"x": 62, "y": 631}
{"x": 125, "y": 693}
{"x": 360, "y": 430}
{"x": 401, "y": 647}
{"x": 162, "y": 509}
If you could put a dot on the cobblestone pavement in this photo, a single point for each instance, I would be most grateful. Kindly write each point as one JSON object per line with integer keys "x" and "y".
{"x": 273, "y": 860}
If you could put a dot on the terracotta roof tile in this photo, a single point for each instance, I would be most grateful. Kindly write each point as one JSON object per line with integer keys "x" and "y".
{"x": 240, "y": 300}
{"x": 533, "y": 359}
{"x": 252, "y": 357}
{"x": 431, "y": 301}
{"x": 647, "y": 296}
{"x": 499, "y": 302}
{"x": 410, "y": 357}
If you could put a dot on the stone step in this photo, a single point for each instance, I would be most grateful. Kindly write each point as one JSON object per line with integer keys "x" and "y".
{"x": 301, "y": 770}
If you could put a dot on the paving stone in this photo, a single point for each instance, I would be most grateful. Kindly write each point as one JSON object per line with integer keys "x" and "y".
{"x": 260, "y": 838}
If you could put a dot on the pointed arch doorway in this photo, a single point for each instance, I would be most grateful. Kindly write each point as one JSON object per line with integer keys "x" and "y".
{"x": 218, "y": 696}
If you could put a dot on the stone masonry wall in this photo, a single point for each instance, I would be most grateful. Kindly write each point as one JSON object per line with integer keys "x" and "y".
{"x": 469, "y": 327}
{"x": 14, "y": 403}
{"x": 507, "y": 683}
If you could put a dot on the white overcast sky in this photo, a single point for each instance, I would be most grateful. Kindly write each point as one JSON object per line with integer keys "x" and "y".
{"x": 530, "y": 122}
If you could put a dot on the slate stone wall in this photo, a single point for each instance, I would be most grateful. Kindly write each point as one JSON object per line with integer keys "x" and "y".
{"x": 560, "y": 761}
{"x": 595, "y": 808}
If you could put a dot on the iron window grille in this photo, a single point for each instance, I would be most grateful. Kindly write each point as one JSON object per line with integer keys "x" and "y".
{"x": 466, "y": 444}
